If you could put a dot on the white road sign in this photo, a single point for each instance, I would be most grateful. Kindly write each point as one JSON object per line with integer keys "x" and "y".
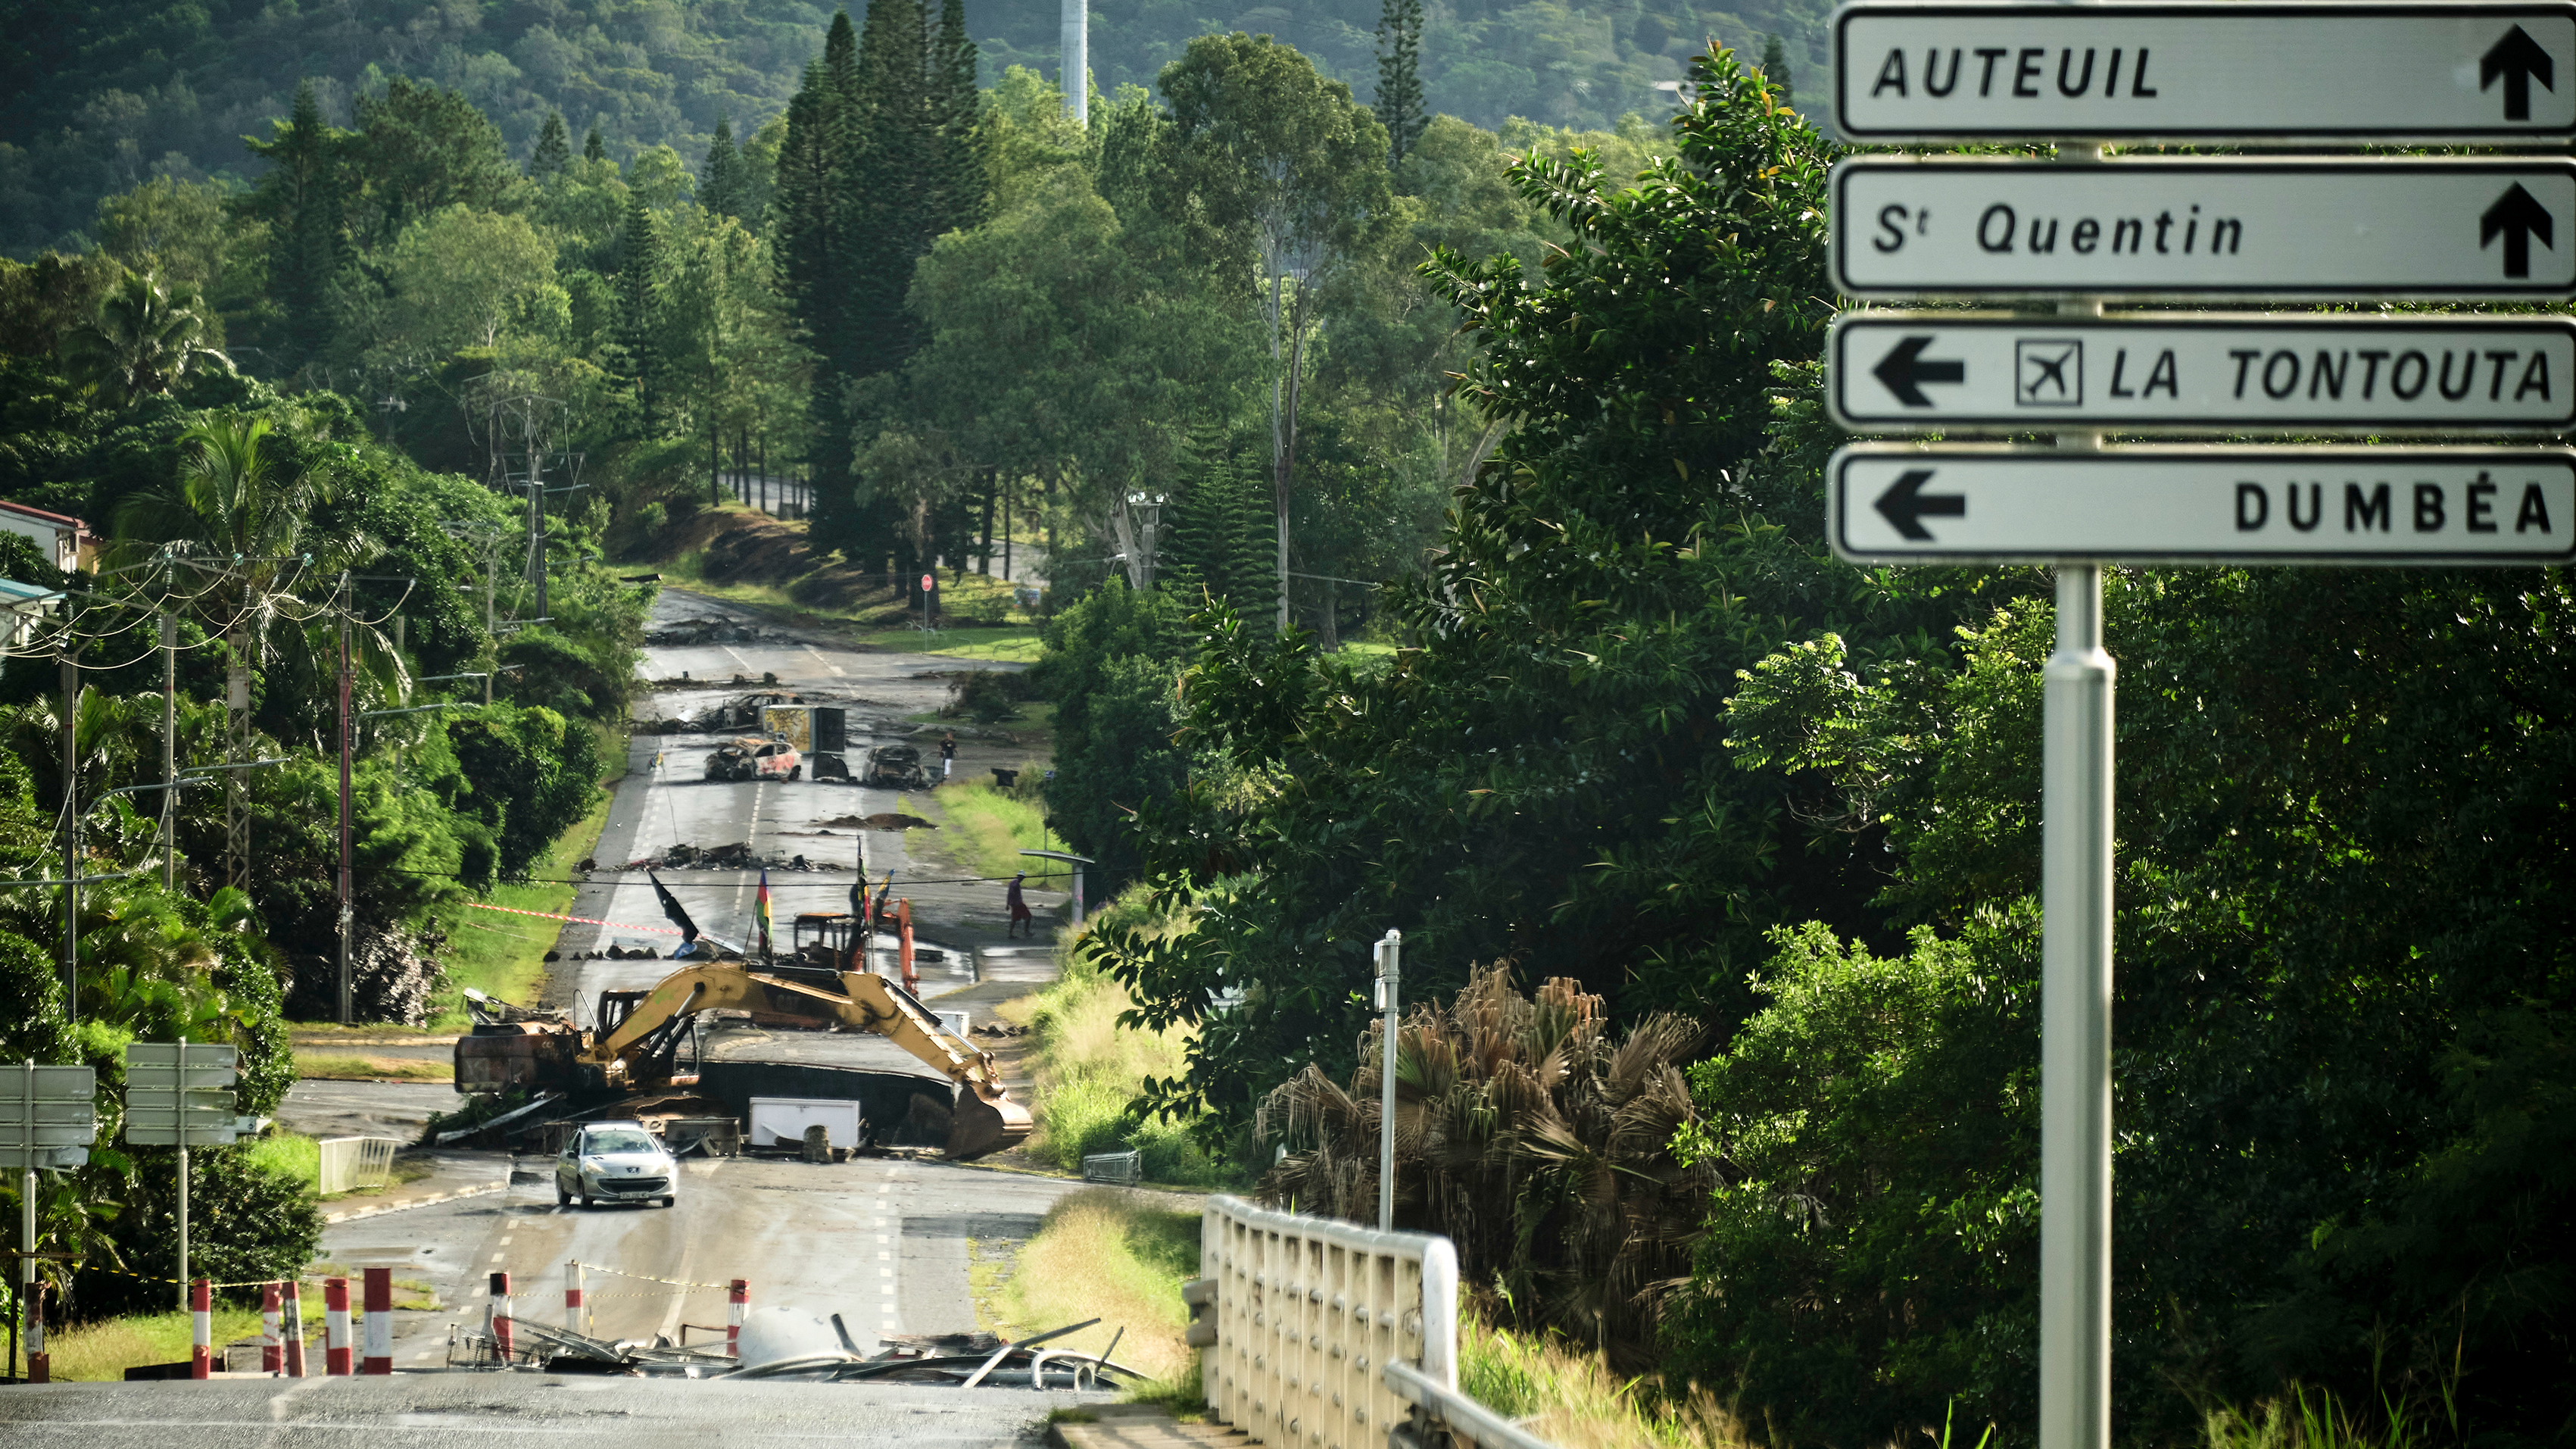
{"x": 166, "y": 1054}
{"x": 1893, "y": 503}
{"x": 46, "y": 1116}
{"x": 2367, "y": 229}
{"x": 2185, "y": 71}
{"x": 1894, "y": 371}
{"x": 164, "y": 1093}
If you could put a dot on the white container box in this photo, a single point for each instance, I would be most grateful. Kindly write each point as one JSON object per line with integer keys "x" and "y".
{"x": 781, "y": 1121}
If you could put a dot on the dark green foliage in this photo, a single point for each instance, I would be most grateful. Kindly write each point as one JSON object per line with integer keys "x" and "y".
{"x": 417, "y": 148}
{"x": 526, "y": 774}
{"x": 32, "y": 1024}
{"x": 593, "y": 146}
{"x": 245, "y": 1225}
{"x": 1217, "y": 540}
{"x": 1775, "y": 68}
{"x": 1110, "y": 666}
{"x": 304, "y": 200}
{"x": 554, "y": 148}
{"x": 960, "y": 189}
{"x": 639, "y": 310}
{"x": 1399, "y": 77}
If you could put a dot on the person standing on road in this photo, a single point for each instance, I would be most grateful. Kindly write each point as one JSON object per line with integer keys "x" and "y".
{"x": 947, "y": 755}
{"x": 1020, "y": 909}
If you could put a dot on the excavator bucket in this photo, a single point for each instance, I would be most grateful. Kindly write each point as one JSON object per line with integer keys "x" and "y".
{"x": 982, "y": 1124}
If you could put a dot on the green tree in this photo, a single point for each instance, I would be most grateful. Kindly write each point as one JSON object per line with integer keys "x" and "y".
{"x": 1399, "y": 77}
{"x": 814, "y": 260}
{"x": 1775, "y": 67}
{"x": 147, "y": 339}
{"x": 640, "y": 311}
{"x": 1282, "y": 168}
{"x": 593, "y": 148}
{"x": 553, "y": 150}
{"x": 723, "y": 189}
{"x": 304, "y": 199}
{"x": 961, "y": 189}
{"x": 418, "y": 149}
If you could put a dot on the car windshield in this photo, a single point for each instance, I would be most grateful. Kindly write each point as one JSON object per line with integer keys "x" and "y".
{"x": 604, "y": 1143}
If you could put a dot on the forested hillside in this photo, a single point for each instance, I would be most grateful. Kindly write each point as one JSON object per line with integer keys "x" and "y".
{"x": 103, "y": 96}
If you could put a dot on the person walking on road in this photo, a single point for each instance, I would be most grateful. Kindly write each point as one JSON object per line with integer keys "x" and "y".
{"x": 947, "y": 755}
{"x": 1020, "y": 909}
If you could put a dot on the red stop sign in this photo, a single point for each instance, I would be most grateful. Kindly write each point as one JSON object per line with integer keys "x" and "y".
{"x": 928, "y": 583}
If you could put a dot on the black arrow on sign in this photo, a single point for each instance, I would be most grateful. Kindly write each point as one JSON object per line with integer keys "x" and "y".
{"x": 1904, "y": 503}
{"x": 2520, "y": 219}
{"x": 1903, "y": 371}
{"x": 2520, "y": 60}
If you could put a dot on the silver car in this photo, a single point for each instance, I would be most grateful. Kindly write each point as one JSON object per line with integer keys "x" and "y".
{"x": 616, "y": 1162}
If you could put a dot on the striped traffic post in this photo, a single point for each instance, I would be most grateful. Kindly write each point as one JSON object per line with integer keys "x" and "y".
{"x": 737, "y": 1301}
{"x": 335, "y": 1327}
{"x": 380, "y": 1322}
{"x": 40, "y": 1364}
{"x": 291, "y": 1318}
{"x": 272, "y": 1349}
{"x": 572, "y": 1295}
{"x": 501, "y": 1332}
{"x": 201, "y": 1328}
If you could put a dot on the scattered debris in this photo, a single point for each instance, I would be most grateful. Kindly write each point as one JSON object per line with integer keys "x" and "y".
{"x": 886, "y": 820}
{"x": 995, "y": 1028}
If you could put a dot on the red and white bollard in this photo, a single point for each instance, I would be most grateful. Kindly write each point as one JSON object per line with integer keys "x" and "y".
{"x": 501, "y": 1331}
{"x": 291, "y": 1319}
{"x": 40, "y": 1364}
{"x": 272, "y": 1349}
{"x": 201, "y": 1328}
{"x": 335, "y": 1327}
{"x": 572, "y": 1295}
{"x": 737, "y": 1303}
{"x": 380, "y": 1322}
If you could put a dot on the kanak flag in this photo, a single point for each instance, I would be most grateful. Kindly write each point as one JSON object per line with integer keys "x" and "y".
{"x": 760, "y": 909}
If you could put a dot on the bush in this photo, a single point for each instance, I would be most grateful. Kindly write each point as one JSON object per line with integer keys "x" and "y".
{"x": 988, "y": 696}
{"x": 246, "y": 1223}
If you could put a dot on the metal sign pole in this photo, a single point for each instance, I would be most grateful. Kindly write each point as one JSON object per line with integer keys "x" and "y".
{"x": 1390, "y": 958}
{"x": 26, "y": 1210}
{"x": 180, "y": 1098}
{"x": 2075, "y": 1005}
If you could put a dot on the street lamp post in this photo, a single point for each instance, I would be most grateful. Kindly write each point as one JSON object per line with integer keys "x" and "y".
{"x": 1390, "y": 962}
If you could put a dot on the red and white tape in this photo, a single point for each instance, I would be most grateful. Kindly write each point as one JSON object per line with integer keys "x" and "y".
{"x": 583, "y": 920}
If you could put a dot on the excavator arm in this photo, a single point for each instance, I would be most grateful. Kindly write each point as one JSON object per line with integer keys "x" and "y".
{"x": 985, "y": 1119}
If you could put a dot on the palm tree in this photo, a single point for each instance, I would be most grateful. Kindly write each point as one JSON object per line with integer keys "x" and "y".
{"x": 147, "y": 339}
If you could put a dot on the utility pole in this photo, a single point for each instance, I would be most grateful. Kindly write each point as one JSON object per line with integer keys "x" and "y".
{"x": 169, "y": 752}
{"x": 347, "y": 734}
{"x": 1390, "y": 963}
{"x": 71, "y": 830}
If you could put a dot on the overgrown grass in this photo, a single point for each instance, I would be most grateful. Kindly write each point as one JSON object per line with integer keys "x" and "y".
{"x": 1571, "y": 1399}
{"x": 1088, "y": 1070}
{"x": 1117, "y": 1256}
{"x": 996, "y": 824}
{"x": 101, "y": 1352}
{"x": 1012, "y": 644}
{"x": 287, "y": 1154}
{"x": 2305, "y": 1418}
{"x": 504, "y": 955}
{"x": 324, "y": 1067}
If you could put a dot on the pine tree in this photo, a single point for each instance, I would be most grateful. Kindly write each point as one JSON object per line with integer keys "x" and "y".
{"x": 594, "y": 149}
{"x": 1217, "y": 540}
{"x": 961, "y": 185}
{"x": 886, "y": 191}
{"x": 639, "y": 309}
{"x": 1775, "y": 67}
{"x": 1399, "y": 76}
{"x": 554, "y": 148}
{"x": 722, "y": 188}
{"x": 304, "y": 200}
{"x": 813, "y": 250}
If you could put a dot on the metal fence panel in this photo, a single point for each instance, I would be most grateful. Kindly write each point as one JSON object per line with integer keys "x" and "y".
{"x": 1126, "y": 1167}
{"x": 1307, "y": 1313}
{"x": 350, "y": 1163}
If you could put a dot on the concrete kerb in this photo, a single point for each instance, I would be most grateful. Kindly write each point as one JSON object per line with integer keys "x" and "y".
{"x": 1136, "y": 1426}
{"x": 379, "y": 1209}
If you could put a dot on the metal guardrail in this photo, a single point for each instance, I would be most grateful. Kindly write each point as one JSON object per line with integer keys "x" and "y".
{"x": 350, "y": 1163}
{"x": 1303, "y": 1316}
{"x": 1442, "y": 1407}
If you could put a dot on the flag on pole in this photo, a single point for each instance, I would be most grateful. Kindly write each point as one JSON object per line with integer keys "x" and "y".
{"x": 760, "y": 908}
{"x": 671, "y": 909}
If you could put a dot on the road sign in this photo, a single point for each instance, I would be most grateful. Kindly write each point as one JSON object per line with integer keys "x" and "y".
{"x": 929, "y": 582}
{"x": 2184, "y": 71}
{"x": 157, "y": 1105}
{"x": 1892, "y": 371}
{"x": 1892, "y": 503}
{"x": 47, "y": 1119}
{"x": 166, "y": 1054}
{"x": 2369, "y": 229}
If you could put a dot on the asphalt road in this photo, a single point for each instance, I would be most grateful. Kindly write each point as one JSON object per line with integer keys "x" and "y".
{"x": 480, "y": 1411}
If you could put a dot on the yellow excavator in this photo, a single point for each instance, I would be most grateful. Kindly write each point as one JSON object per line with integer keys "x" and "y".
{"x": 635, "y": 1045}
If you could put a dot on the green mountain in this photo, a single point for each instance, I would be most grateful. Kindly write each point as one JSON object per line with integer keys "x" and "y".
{"x": 104, "y": 95}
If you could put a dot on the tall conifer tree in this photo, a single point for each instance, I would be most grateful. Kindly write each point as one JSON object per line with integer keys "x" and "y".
{"x": 815, "y": 227}
{"x": 962, "y": 184}
{"x": 554, "y": 148}
{"x": 722, "y": 187}
{"x": 1399, "y": 76}
{"x": 1775, "y": 67}
{"x": 639, "y": 309}
{"x": 304, "y": 200}
{"x": 593, "y": 147}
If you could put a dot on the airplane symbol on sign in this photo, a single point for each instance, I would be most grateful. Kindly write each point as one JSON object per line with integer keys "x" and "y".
{"x": 2048, "y": 372}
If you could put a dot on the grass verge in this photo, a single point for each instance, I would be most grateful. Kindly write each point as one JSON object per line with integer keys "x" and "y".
{"x": 327, "y": 1067}
{"x": 101, "y": 1352}
{"x": 1011, "y": 644}
{"x": 1572, "y": 1400}
{"x": 996, "y": 824}
{"x": 1117, "y": 1256}
{"x": 504, "y": 955}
